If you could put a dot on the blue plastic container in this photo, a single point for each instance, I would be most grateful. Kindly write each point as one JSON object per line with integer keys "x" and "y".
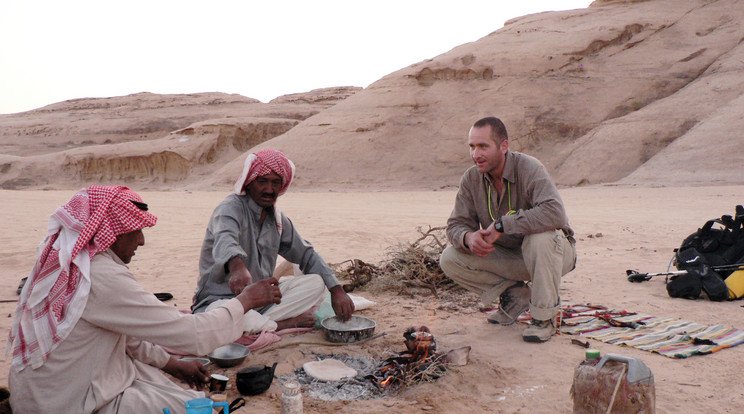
{"x": 204, "y": 406}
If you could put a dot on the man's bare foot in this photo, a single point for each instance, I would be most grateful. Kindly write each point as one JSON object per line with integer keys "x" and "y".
{"x": 305, "y": 320}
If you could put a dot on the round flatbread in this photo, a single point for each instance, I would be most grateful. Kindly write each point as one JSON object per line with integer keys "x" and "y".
{"x": 328, "y": 370}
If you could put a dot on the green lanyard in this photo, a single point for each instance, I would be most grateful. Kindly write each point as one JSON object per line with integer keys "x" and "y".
{"x": 508, "y": 194}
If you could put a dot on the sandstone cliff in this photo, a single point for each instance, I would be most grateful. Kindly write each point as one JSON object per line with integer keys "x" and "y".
{"x": 147, "y": 140}
{"x": 646, "y": 92}
{"x": 642, "y": 92}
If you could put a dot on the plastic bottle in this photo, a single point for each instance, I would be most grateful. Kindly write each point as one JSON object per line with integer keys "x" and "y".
{"x": 291, "y": 398}
{"x": 612, "y": 384}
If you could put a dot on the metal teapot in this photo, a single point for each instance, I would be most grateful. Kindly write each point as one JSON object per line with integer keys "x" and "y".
{"x": 255, "y": 380}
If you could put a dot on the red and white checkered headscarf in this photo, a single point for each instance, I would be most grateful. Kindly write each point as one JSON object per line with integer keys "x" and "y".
{"x": 56, "y": 291}
{"x": 265, "y": 162}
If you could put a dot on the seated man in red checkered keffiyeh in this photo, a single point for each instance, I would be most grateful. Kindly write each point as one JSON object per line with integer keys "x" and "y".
{"x": 244, "y": 237}
{"x": 87, "y": 337}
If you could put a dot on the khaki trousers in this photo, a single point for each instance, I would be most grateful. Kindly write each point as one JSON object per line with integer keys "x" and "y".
{"x": 542, "y": 260}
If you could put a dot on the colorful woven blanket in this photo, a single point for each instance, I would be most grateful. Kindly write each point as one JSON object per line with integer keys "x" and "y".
{"x": 670, "y": 337}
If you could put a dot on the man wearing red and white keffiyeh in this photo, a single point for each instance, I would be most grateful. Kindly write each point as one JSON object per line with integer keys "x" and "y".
{"x": 88, "y": 338}
{"x": 244, "y": 237}
{"x": 56, "y": 291}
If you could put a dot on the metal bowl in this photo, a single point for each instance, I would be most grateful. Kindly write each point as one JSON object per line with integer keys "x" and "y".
{"x": 203, "y": 361}
{"x": 353, "y": 330}
{"x": 229, "y": 355}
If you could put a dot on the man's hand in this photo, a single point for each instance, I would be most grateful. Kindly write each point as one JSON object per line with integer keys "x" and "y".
{"x": 240, "y": 277}
{"x": 491, "y": 235}
{"x": 341, "y": 303}
{"x": 477, "y": 243}
{"x": 192, "y": 373}
{"x": 259, "y": 294}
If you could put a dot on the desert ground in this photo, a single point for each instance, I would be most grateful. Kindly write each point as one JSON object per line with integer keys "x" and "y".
{"x": 646, "y": 95}
{"x": 617, "y": 228}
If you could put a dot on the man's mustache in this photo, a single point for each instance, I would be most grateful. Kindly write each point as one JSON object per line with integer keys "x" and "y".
{"x": 271, "y": 195}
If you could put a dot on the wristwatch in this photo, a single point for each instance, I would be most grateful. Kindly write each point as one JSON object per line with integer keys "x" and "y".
{"x": 498, "y": 225}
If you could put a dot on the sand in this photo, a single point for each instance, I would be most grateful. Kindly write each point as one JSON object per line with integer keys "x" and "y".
{"x": 617, "y": 228}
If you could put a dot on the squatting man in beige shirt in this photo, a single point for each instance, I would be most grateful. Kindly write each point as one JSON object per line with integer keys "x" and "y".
{"x": 509, "y": 233}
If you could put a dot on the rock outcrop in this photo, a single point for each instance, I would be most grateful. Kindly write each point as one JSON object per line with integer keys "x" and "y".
{"x": 326, "y": 97}
{"x": 619, "y": 91}
{"x": 147, "y": 139}
{"x": 632, "y": 92}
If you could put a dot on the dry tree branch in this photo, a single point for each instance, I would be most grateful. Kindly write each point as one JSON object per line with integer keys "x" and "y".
{"x": 429, "y": 233}
{"x": 408, "y": 265}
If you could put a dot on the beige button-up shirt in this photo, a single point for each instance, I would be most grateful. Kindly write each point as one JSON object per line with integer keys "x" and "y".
{"x": 527, "y": 189}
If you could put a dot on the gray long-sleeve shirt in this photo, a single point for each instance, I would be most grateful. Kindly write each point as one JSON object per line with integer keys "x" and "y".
{"x": 234, "y": 230}
{"x": 533, "y": 196}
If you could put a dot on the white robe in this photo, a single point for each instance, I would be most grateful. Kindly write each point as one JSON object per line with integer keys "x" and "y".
{"x": 110, "y": 361}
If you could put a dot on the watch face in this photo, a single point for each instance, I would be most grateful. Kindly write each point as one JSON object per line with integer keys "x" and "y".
{"x": 498, "y": 226}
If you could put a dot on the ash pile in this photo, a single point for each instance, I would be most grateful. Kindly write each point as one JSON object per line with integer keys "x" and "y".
{"x": 334, "y": 377}
{"x": 357, "y": 387}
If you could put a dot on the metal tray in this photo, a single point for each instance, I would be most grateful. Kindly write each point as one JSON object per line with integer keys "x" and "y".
{"x": 353, "y": 330}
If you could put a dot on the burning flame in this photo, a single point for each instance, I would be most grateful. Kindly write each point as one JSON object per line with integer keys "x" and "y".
{"x": 423, "y": 348}
{"x": 420, "y": 344}
{"x": 415, "y": 363}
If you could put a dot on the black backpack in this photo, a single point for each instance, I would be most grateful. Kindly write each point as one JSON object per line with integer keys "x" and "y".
{"x": 699, "y": 277}
{"x": 719, "y": 242}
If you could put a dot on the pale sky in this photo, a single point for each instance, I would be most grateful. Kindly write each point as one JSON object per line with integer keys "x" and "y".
{"x": 55, "y": 50}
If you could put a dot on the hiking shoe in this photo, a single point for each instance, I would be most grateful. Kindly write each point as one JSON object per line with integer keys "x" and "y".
{"x": 539, "y": 331}
{"x": 512, "y": 303}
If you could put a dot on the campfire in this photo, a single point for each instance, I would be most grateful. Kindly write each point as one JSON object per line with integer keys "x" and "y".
{"x": 420, "y": 362}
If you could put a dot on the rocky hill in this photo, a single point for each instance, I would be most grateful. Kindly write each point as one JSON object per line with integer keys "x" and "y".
{"x": 637, "y": 92}
{"x": 148, "y": 139}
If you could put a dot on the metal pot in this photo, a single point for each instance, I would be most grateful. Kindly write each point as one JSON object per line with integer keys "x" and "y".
{"x": 353, "y": 330}
{"x": 254, "y": 380}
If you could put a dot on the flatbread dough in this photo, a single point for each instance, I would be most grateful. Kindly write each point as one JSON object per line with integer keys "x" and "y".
{"x": 328, "y": 370}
